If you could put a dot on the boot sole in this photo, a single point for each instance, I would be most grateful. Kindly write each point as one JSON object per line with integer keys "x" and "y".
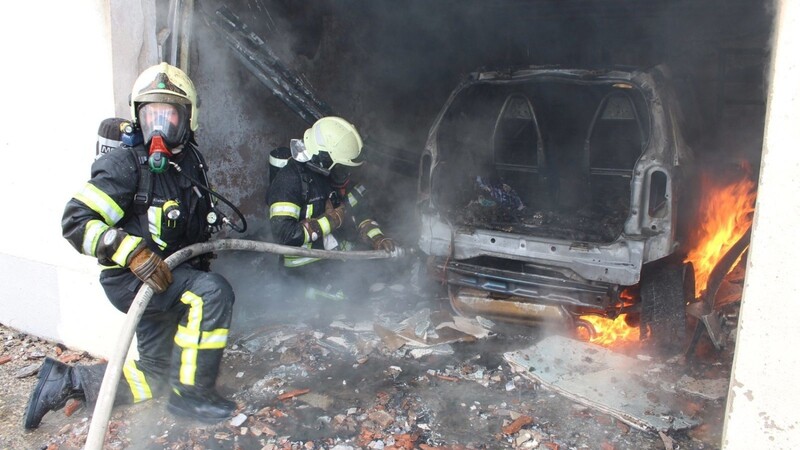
{"x": 44, "y": 372}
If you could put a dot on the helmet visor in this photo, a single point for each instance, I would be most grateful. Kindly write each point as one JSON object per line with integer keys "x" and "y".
{"x": 299, "y": 151}
{"x": 169, "y": 120}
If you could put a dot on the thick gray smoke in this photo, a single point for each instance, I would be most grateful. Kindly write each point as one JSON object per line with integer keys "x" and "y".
{"x": 388, "y": 67}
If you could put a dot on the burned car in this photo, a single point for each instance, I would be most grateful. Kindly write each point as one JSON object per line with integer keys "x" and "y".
{"x": 550, "y": 194}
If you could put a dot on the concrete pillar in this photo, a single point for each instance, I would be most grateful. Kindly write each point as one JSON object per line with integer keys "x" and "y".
{"x": 56, "y": 86}
{"x": 762, "y": 408}
{"x": 133, "y": 47}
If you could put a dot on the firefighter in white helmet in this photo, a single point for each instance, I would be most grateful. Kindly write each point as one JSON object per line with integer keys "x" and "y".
{"x": 140, "y": 206}
{"x": 313, "y": 202}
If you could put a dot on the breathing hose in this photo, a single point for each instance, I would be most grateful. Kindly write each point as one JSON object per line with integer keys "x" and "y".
{"x": 108, "y": 390}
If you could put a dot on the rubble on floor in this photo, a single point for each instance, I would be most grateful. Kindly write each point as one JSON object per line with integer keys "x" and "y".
{"x": 636, "y": 392}
{"x": 407, "y": 375}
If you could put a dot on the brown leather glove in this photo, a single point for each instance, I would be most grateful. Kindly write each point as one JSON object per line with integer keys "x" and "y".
{"x": 335, "y": 218}
{"x": 150, "y": 268}
{"x": 382, "y": 242}
{"x": 371, "y": 234}
{"x": 335, "y": 215}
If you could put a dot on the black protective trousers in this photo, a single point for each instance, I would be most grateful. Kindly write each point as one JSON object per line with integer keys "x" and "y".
{"x": 180, "y": 337}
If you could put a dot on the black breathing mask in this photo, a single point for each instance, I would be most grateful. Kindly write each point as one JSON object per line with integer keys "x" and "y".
{"x": 164, "y": 130}
{"x": 340, "y": 176}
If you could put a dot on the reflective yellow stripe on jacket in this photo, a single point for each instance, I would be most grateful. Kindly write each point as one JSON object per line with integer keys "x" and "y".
{"x": 284, "y": 209}
{"x": 124, "y": 250}
{"x": 91, "y": 234}
{"x": 100, "y": 203}
{"x": 154, "y": 214}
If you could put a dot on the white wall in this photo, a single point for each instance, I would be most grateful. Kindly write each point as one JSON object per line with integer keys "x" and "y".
{"x": 56, "y": 84}
{"x": 763, "y": 395}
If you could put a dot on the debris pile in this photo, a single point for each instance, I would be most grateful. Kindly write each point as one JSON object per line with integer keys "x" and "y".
{"x": 410, "y": 376}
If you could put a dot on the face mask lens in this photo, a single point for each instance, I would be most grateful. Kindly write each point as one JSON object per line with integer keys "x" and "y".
{"x": 166, "y": 119}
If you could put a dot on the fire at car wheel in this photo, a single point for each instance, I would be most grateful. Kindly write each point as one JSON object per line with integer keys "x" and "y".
{"x": 665, "y": 291}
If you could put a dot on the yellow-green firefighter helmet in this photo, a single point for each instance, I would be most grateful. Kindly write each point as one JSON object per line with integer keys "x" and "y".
{"x": 164, "y": 83}
{"x": 336, "y": 136}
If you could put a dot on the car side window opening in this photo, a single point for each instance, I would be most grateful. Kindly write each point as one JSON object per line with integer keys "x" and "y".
{"x": 516, "y": 134}
{"x": 657, "y": 195}
{"x": 616, "y": 137}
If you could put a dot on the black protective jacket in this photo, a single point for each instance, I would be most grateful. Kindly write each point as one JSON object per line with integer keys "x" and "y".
{"x": 298, "y": 193}
{"x": 100, "y": 219}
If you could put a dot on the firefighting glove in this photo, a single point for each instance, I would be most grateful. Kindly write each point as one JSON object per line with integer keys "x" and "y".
{"x": 354, "y": 199}
{"x": 382, "y": 242}
{"x": 331, "y": 220}
{"x": 372, "y": 235}
{"x": 150, "y": 268}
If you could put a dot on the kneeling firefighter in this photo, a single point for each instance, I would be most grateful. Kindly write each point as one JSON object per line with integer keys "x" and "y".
{"x": 313, "y": 203}
{"x": 144, "y": 201}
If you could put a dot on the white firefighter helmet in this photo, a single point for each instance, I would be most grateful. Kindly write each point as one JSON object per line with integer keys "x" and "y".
{"x": 337, "y": 137}
{"x": 164, "y": 83}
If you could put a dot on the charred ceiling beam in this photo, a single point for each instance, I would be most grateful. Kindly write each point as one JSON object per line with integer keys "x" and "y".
{"x": 259, "y": 58}
{"x": 262, "y": 61}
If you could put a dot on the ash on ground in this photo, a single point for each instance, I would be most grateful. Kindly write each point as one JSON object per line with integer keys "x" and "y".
{"x": 395, "y": 371}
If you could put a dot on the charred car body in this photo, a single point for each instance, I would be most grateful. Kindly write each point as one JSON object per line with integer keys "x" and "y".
{"x": 549, "y": 193}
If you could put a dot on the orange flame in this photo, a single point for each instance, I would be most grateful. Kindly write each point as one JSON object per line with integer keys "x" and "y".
{"x": 725, "y": 214}
{"x": 608, "y": 332}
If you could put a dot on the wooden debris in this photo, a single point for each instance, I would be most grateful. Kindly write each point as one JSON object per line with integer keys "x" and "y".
{"x": 668, "y": 442}
{"x": 70, "y": 357}
{"x": 292, "y": 394}
{"x": 446, "y": 377}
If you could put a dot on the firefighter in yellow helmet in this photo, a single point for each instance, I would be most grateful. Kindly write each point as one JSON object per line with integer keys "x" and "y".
{"x": 314, "y": 203}
{"x": 136, "y": 210}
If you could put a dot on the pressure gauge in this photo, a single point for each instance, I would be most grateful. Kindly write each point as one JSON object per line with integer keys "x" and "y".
{"x": 212, "y": 218}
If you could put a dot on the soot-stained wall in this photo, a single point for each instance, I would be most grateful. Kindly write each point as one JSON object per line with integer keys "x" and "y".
{"x": 388, "y": 66}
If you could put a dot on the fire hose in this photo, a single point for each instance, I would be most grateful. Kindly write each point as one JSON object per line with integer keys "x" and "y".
{"x": 108, "y": 389}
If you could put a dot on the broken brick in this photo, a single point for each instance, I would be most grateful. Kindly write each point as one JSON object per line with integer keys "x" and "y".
{"x": 72, "y": 406}
{"x": 516, "y": 425}
{"x": 364, "y": 438}
{"x": 381, "y": 418}
{"x": 602, "y": 419}
{"x": 4, "y": 359}
{"x": 404, "y": 441}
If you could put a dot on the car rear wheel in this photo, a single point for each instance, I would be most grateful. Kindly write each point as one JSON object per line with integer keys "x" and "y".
{"x": 665, "y": 290}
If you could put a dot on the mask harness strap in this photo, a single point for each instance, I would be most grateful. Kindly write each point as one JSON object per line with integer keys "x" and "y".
{"x": 144, "y": 192}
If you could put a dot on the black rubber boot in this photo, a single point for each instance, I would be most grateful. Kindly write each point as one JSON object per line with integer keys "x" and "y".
{"x": 57, "y": 383}
{"x": 206, "y": 406}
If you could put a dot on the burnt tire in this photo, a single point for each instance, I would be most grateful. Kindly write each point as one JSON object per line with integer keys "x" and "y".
{"x": 664, "y": 290}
